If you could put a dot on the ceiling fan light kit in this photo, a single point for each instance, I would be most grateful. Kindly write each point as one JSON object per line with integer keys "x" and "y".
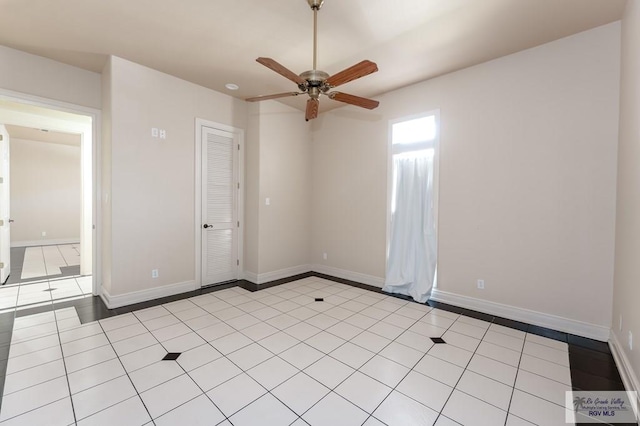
{"x": 315, "y": 82}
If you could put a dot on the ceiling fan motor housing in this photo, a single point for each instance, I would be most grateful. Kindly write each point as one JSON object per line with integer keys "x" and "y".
{"x": 314, "y": 82}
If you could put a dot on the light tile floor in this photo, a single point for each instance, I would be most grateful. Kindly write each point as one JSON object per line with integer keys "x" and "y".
{"x": 277, "y": 357}
{"x": 36, "y": 293}
{"x": 45, "y": 261}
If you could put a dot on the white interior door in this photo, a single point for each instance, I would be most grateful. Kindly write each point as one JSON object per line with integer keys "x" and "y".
{"x": 219, "y": 206}
{"x": 5, "y": 229}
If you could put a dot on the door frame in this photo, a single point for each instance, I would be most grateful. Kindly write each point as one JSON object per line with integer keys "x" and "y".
{"x": 6, "y": 180}
{"x": 199, "y": 124}
{"x": 96, "y": 166}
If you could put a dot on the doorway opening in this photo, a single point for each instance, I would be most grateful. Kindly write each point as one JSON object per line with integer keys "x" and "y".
{"x": 47, "y": 240}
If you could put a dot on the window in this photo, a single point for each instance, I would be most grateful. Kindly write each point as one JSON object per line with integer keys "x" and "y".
{"x": 414, "y": 137}
{"x": 413, "y": 131}
{"x": 410, "y": 139}
{"x": 411, "y": 260}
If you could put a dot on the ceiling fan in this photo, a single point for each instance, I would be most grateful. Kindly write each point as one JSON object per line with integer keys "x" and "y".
{"x": 315, "y": 82}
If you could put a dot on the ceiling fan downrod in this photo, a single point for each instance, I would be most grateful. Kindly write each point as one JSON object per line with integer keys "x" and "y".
{"x": 315, "y": 6}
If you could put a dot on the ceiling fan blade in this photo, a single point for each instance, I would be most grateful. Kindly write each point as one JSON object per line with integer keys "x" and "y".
{"x": 312, "y": 109}
{"x": 280, "y": 69}
{"x": 352, "y": 73}
{"x": 277, "y": 95}
{"x": 354, "y": 100}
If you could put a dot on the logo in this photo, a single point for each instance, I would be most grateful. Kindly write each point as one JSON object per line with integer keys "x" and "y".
{"x": 608, "y": 407}
{"x": 579, "y": 402}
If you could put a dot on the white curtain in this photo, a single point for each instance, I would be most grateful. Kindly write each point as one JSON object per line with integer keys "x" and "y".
{"x": 412, "y": 252}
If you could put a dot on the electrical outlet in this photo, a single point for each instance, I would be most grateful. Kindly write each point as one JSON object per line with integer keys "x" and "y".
{"x": 630, "y": 340}
{"x": 163, "y": 134}
{"x": 44, "y": 233}
{"x": 324, "y": 256}
{"x": 267, "y": 201}
{"x": 154, "y": 273}
{"x": 481, "y": 284}
{"x": 620, "y": 325}
{"x": 154, "y": 132}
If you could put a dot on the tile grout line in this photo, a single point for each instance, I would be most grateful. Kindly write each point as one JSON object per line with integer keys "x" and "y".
{"x": 37, "y": 408}
{"x": 64, "y": 259}
{"x": 34, "y": 385}
{"x": 513, "y": 391}
{"x": 66, "y": 372}
{"x": 44, "y": 262}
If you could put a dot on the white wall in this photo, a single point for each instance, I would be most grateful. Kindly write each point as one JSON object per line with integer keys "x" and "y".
{"x": 149, "y": 183}
{"x": 45, "y": 192}
{"x": 104, "y": 199}
{"x": 284, "y": 178}
{"x": 349, "y": 187}
{"x": 527, "y": 178}
{"x": 626, "y": 292}
{"x": 252, "y": 193}
{"x": 34, "y": 75}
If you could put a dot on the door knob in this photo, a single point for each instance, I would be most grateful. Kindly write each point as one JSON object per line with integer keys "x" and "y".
{"x": 206, "y": 226}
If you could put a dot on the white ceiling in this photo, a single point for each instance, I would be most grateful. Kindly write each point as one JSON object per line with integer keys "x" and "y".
{"x": 213, "y": 42}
